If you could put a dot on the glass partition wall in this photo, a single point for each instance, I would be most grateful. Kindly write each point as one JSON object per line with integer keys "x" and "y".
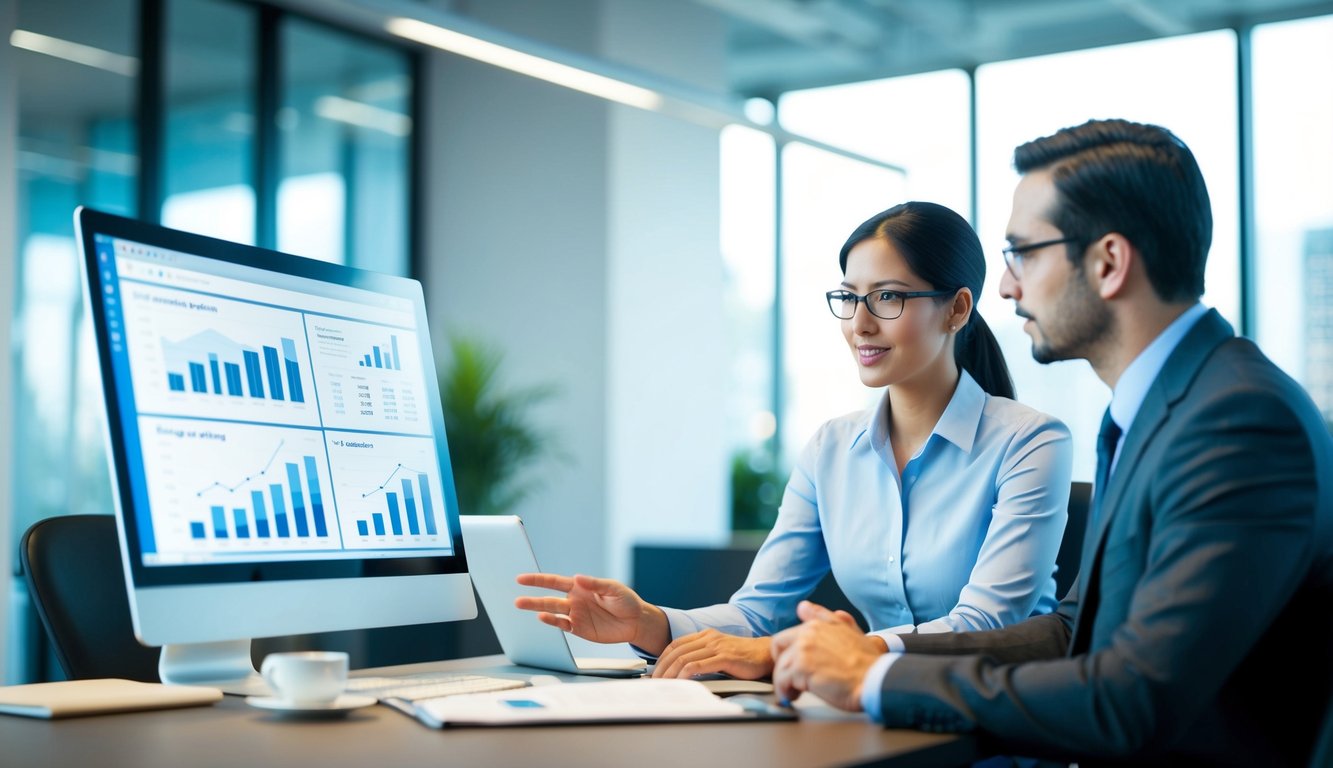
{"x": 219, "y": 155}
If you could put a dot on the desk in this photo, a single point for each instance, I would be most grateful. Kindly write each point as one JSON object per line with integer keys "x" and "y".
{"x": 233, "y": 733}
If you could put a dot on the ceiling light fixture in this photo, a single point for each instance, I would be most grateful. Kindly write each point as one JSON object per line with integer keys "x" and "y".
{"x": 78, "y": 53}
{"x": 363, "y": 115}
{"x": 524, "y": 63}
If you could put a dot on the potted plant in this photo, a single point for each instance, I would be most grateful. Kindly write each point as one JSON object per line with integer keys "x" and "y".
{"x": 492, "y": 441}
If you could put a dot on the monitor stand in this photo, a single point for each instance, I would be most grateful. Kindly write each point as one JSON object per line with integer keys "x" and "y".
{"x": 225, "y": 665}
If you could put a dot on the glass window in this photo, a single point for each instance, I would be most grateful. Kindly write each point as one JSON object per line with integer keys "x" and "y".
{"x": 919, "y": 123}
{"x": 344, "y": 193}
{"x": 748, "y": 219}
{"x": 1018, "y": 101}
{"x": 345, "y": 148}
{"x": 75, "y": 77}
{"x": 210, "y": 123}
{"x": 824, "y": 197}
{"x": 1293, "y": 187}
{"x": 76, "y": 146}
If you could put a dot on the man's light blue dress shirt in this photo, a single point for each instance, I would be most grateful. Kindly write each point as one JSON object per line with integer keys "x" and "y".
{"x": 1126, "y": 399}
{"x": 964, "y": 539}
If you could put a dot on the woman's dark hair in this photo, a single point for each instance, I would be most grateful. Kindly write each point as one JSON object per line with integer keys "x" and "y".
{"x": 941, "y": 248}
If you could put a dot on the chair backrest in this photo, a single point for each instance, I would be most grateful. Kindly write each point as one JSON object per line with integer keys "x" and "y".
{"x": 687, "y": 576}
{"x": 1323, "y": 748}
{"x": 1071, "y": 546}
{"x": 74, "y": 574}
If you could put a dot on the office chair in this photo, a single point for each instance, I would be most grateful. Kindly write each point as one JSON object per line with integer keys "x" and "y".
{"x": 1322, "y": 757}
{"x": 1071, "y": 545}
{"x": 74, "y": 574}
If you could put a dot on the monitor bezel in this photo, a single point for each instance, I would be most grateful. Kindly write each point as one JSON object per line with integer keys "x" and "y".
{"x": 89, "y": 224}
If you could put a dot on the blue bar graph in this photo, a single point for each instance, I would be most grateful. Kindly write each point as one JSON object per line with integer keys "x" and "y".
{"x": 197, "y": 530}
{"x": 214, "y": 365}
{"x": 426, "y": 510}
{"x": 269, "y": 503}
{"x": 413, "y": 503}
{"x": 261, "y": 515}
{"x": 379, "y": 523}
{"x": 279, "y": 511}
{"x": 361, "y": 528}
{"x": 298, "y": 501}
{"x": 217, "y": 377}
{"x": 394, "y": 520}
{"x": 410, "y": 503}
{"x": 219, "y": 522}
{"x": 253, "y": 377}
{"x": 316, "y": 498}
{"x": 233, "y": 378}
{"x": 274, "y": 373}
{"x": 380, "y": 357}
{"x": 293, "y": 371}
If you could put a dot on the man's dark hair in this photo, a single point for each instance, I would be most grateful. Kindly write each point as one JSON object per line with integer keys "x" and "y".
{"x": 1135, "y": 179}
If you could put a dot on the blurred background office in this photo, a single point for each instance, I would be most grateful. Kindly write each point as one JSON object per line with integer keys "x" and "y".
{"x": 638, "y": 203}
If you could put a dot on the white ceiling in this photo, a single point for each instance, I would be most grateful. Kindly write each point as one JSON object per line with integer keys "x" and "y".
{"x": 780, "y": 45}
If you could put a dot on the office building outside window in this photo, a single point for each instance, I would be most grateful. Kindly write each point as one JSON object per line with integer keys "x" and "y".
{"x": 1293, "y": 201}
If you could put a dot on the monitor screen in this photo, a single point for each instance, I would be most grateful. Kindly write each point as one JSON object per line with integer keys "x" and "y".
{"x": 275, "y": 425}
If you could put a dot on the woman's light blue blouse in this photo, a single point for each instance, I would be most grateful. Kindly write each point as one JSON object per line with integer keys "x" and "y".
{"x": 964, "y": 539}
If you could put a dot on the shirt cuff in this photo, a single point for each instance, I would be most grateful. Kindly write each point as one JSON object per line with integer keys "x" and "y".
{"x": 678, "y": 625}
{"x": 872, "y": 686}
{"x": 891, "y": 639}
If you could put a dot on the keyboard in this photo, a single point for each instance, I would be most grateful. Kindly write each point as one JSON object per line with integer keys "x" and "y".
{"x": 430, "y": 685}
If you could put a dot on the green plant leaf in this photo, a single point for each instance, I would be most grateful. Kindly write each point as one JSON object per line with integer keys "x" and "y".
{"x": 491, "y": 438}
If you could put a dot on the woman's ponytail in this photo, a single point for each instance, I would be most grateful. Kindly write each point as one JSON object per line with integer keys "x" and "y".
{"x": 977, "y": 352}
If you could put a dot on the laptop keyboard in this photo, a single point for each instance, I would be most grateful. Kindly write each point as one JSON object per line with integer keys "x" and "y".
{"x": 429, "y": 686}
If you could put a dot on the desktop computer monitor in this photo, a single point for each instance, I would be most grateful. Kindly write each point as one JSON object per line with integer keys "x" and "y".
{"x": 276, "y": 443}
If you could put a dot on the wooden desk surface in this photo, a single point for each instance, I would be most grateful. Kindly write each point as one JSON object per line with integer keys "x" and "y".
{"x": 233, "y": 733}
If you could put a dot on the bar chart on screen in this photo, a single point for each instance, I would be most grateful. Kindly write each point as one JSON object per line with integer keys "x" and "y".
{"x": 217, "y": 365}
{"x": 368, "y": 376}
{"x": 388, "y": 487}
{"x": 238, "y": 488}
{"x": 258, "y": 371}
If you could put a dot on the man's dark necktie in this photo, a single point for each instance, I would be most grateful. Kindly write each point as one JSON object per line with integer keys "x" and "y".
{"x": 1107, "y": 439}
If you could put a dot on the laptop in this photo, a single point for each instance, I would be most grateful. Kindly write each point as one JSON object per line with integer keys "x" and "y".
{"x": 497, "y": 551}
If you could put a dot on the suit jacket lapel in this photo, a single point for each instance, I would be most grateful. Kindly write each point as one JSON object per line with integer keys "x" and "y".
{"x": 1171, "y": 384}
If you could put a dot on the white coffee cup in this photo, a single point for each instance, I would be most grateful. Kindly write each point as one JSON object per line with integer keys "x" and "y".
{"x": 306, "y": 677}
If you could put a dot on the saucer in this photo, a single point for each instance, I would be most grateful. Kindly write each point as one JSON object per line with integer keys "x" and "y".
{"x": 343, "y": 704}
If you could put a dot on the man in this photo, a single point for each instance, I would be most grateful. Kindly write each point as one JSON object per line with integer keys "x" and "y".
{"x": 1199, "y": 629}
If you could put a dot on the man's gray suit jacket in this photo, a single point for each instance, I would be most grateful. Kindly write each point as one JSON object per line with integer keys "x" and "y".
{"x": 1200, "y": 629}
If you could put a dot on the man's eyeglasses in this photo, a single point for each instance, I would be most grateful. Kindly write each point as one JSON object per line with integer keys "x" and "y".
{"x": 1014, "y": 254}
{"x": 886, "y": 305}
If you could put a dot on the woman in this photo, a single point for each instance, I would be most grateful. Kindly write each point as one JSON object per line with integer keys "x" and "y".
{"x": 940, "y": 509}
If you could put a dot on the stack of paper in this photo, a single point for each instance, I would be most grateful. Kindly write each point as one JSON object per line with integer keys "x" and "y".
{"x": 612, "y": 701}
